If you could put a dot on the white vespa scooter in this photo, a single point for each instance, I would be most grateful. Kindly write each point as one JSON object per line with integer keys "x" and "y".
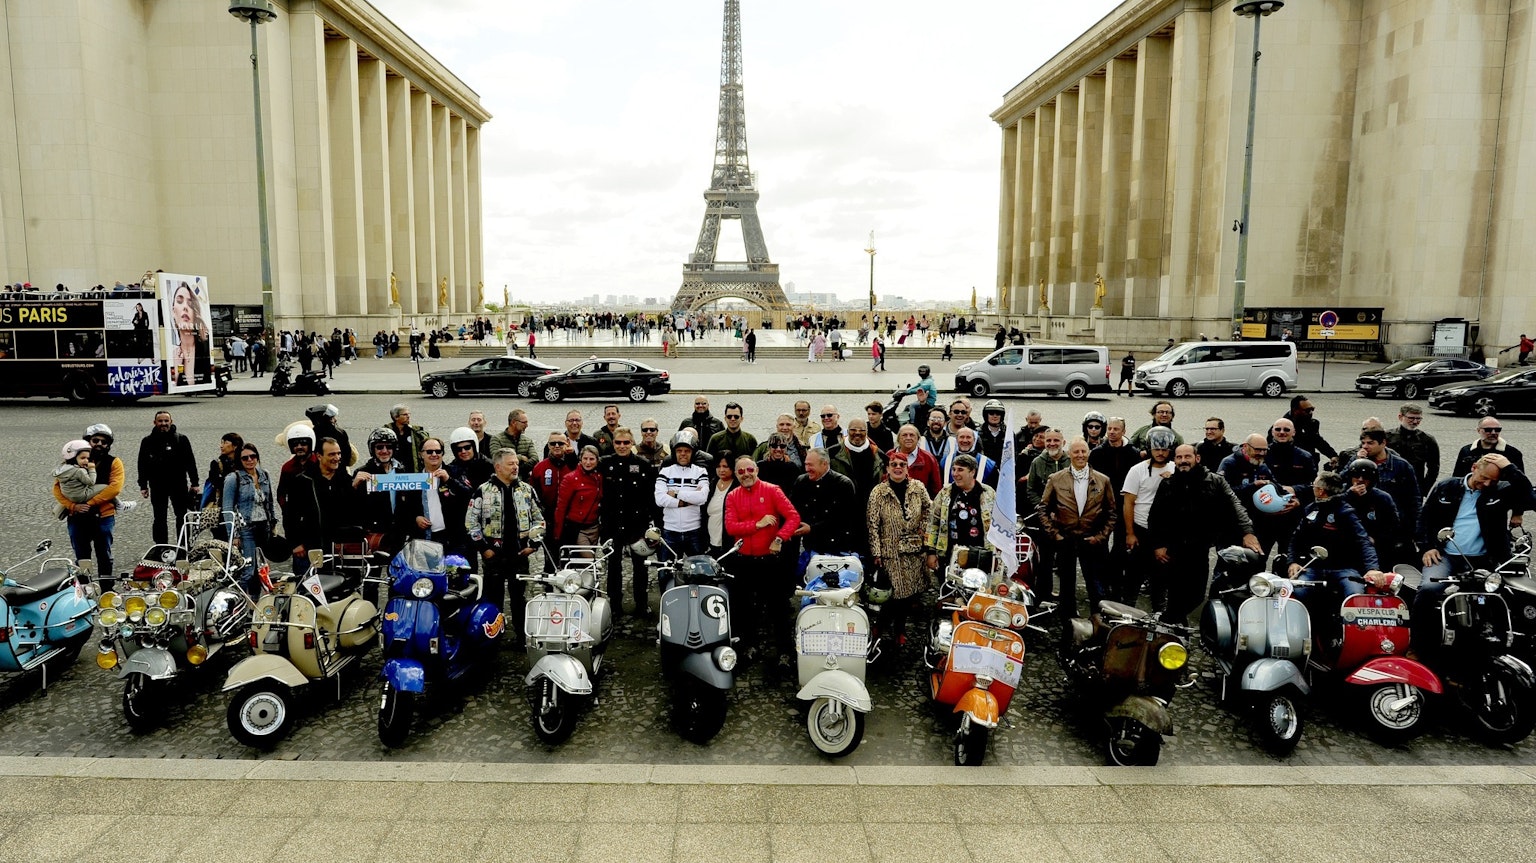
{"x": 568, "y": 629}
{"x": 832, "y": 649}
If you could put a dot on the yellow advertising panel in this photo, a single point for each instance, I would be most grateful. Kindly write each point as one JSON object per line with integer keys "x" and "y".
{"x": 1348, "y": 332}
{"x": 1255, "y": 331}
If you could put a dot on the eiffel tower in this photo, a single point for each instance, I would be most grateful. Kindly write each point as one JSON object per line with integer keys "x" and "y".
{"x": 732, "y": 195}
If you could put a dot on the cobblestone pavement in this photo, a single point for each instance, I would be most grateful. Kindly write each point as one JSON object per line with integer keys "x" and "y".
{"x": 79, "y": 714}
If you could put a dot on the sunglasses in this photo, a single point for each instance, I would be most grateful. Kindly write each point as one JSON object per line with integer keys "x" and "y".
{"x": 649, "y": 431}
{"x": 1494, "y": 429}
{"x": 463, "y": 447}
{"x": 431, "y": 452}
{"x": 828, "y": 416}
{"x": 623, "y": 443}
{"x": 388, "y": 446}
{"x": 249, "y": 457}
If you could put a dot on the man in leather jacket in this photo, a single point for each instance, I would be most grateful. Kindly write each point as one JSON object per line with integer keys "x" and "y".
{"x": 1184, "y": 542}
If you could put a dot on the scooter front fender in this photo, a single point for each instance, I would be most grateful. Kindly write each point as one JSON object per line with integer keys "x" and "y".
{"x": 404, "y": 675}
{"x": 1144, "y": 709}
{"x": 840, "y": 686}
{"x": 981, "y": 705}
{"x": 1269, "y": 674}
{"x": 566, "y": 671}
{"x": 1518, "y": 667}
{"x": 264, "y": 666}
{"x": 701, "y": 664}
{"x": 1395, "y": 669}
{"x": 156, "y": 663}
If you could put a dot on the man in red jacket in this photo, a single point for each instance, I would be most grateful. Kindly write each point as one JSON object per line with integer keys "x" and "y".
{"x": 921, "y": 465}
{"x": 760, "y": 515}
{"x": 546, "y": 484}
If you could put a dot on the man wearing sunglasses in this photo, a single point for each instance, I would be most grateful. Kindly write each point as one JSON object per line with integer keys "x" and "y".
{"x": 625, "y": 513}
{"x": 1490, "y": 441}
{"x": 389, "y": 517}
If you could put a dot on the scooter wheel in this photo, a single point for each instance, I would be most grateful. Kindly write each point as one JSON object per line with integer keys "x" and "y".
{"x": 1131, "y": 744}
{"x": 554, "y": 714}
{"x": 1277, "y": 721}
{"x": 1504, "y": 706}
{"x": 835, "y": 728}
{"x": 970, "y": 743}
{"x": 261, "y": 714}
{"x": 1395, "y": 712}
{"x": 143, "y": 706}
{"x": 395, "y": 711}
{"x": 700, "y": 713}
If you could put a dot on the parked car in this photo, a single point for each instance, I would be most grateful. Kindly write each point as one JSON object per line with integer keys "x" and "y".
{"x": 1076, "y": 370}
{"x": 1508, "y": 392}
{"x": 501, "y": 375}
{"x": 1236, "y": 367}
{"x": 602, "y": 377}
{"x": 1410, "y": 377}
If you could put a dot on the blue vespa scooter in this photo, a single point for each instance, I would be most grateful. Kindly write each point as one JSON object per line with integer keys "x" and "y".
{"x": 45, "y": 615}
{"x": 436, "y": 629}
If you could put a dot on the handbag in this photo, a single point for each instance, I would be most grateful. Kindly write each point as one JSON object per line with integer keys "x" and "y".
{"x": 275, "y": 548}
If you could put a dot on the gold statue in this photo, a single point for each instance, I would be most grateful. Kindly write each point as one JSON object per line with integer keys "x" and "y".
{"x": 1098, "y": 290}
{"x": 442, "y": 292}
{"x": 394, "y": 290}
{"x": 1002, "y": 304}
{"x": 480, "y": 295}
{"x": 1044, "y": 303}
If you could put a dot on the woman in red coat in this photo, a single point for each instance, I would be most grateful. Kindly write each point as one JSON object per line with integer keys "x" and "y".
{"x": 576, "y": 508}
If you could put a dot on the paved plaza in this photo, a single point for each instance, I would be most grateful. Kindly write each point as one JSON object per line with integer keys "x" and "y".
{"x": 1045, "y": 753}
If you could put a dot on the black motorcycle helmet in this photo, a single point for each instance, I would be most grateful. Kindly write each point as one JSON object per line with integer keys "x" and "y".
{"x": 923, "y": 371}
{"x": 1363, "y": 468}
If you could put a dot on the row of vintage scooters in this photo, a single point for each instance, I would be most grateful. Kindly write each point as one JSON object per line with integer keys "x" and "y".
{"x": 182, "y": 604}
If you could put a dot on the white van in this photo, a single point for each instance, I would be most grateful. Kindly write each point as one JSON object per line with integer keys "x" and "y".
{"x": 1076, "y": 370}
{"x": 1221, "y": 367}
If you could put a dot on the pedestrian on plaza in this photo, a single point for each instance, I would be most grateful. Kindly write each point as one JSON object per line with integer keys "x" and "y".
{"x": 1489, "y": 441}
{"x": 1417, "y": 446}
{"x": 1077, "y": 512}
{"x": 532, "y": 339}
{"x": 258, "y": 359}
{"x": 1127, "y": 374}
{"x": 896, "y": 521}
{"x": 1183, "y": 543}
{"x": 960, "y": 516}
{"x": 760, "y": 516}
{"x": 505, "y": 525}
{"x": 248, "y": 493}
{"x": 877, "y": 353}
{"x": 91, "y": 522}
{"x": 1524, "y": 346}
{"x": 167, "y": 474}
{"x": 750, "y": 341}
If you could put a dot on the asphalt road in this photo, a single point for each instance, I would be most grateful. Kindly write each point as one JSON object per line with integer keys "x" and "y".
{"x": 79, "y": 713}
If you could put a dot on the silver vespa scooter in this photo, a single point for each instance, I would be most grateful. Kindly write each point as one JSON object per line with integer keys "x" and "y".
{"x": 832, "y": 650}
{"x": 568, "y": 628}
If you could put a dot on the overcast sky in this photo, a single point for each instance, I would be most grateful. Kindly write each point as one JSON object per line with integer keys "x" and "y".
{"x": 860, "y": 116}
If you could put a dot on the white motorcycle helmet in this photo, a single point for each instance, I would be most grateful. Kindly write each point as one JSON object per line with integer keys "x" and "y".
{"x": 646, "y": 545}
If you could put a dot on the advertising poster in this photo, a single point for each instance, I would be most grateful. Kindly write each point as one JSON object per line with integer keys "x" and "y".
{"x": 132, "y": 351}
{"x": 187, "y": 334}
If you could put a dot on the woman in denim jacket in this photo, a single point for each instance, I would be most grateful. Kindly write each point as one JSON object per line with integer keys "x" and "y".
{"x": 248, "y": 493}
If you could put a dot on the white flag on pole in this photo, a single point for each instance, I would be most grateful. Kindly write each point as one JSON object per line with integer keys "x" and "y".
{"x": 1003, "y": 533}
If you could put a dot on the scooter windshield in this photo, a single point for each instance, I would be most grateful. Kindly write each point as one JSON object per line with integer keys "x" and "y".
{"x": 418, "y": 556}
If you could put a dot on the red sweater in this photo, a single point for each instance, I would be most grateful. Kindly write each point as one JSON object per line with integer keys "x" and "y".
{"x": 925, "y": 469}
{"x": 745, "y": 507}
{"x": 580, "y": 493}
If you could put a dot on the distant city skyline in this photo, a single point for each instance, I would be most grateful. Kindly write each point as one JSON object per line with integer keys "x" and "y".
{"x": 602, "y": 140}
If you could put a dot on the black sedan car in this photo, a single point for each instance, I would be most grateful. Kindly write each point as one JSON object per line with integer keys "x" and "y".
{"x": 1512, "y": 391}
{"x": 603, "y": 377}
{"x": 501, "y": 375}
{"x": 1410, "y": 377}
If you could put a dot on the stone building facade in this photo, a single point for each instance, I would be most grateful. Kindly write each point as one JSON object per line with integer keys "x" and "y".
{"x": 1393, "y": 139}
{"x": 134, "y": 149}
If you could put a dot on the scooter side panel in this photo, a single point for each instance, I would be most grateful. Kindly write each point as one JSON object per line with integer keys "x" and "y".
{"x": 838, "y": 686}
{"x": 156, "y": 663}
{"x": 1146, "y": 710}
{"x": 1395, "y": 669}
{"x": 357, "y": 624}
{"x": 404, "y": 674}
{"x": 566, "y": 671}
{"x": 1269, "y": 674}
{"x": 67, "y": 615}
{"x": 264, "y": 666}
{"x": 1373, "y": 625}
{"x": 486, "y": 623}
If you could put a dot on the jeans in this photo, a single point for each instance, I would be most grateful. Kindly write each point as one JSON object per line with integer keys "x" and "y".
{"x": 1070, "y": 551}
{"x": 499, "y": 579}
{"x": 88, "y": 533}
{"x": 683, "y": 544}
{"x": 251, "y": 537}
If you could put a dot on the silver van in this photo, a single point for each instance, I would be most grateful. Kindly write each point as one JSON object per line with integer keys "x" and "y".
{"x": 1214, "y": 367}
{"x": 1076, "y": 370}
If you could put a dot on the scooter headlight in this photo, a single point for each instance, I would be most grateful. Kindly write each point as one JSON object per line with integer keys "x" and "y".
{"x": 1261, "y": 586}
{"x": 571, "y": 584}
{"x": 156, "y": 616}
{"x": 725, "y": 657}
{"x": 997, "y": 615}
{"x": 134, "y": 607}
{"x": 1172, "y": 656}
{"x": 170, "y": 600}
{"x": 109, "y": 618}
{"x": 421, "y": 588}
{"x": 1492, "y": 581}
{"x": 163, "y": 581}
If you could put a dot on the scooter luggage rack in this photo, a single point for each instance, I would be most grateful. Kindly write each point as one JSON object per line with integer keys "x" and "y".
{"x": 555, "y": 617}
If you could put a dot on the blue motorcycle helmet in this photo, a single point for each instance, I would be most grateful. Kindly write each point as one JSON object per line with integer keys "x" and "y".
{"x": 1268, "y": 498}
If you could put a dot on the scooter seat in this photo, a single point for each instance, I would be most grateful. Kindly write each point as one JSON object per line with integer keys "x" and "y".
{"x": 334, "y": 586}
{"x": 1082, "y": 630}
{"x": 1111, "y": 608}
{"x": 38, "y": 585}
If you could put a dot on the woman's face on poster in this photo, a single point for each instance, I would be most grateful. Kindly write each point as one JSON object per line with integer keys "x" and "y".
{"x": 184, "y": 309}
{"x": 138, "y": 307}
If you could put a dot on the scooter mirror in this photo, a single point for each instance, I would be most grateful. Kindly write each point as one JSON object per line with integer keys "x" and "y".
{"x": 316, "y": 557}
{"x": 1411, "y": 577}
{"x": 44, "y": 546}
{"x": 1319, "y": 552}
{"x": 1446, "y": 534}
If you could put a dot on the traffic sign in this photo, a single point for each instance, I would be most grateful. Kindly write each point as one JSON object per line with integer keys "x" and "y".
{"x": 1328, "y": 320}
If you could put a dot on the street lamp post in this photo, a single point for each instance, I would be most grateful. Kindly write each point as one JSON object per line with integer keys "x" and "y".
{"x": 871, "y": 250}
{"x": 1258, "y": 10}
{"x": 260, "y": 12}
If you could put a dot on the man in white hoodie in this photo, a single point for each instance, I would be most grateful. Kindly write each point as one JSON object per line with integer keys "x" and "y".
{"x": 682, "y": 488}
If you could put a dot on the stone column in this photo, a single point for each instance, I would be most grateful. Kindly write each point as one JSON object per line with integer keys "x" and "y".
{"x": 459, "y": 167}
{"x": 424, "y": 214}
{"x": 1149, "y": 169}
{"x": 313, "y": 293}
{"x": 475, "y": 231}
{"x": 378, "y": 203}
{"x": 346, "y": 173}
{"x": 1185, "y": 288}
{"x": 1005, "y": 205}
{"x": 402, "y": 191}
{"x": 1040, "y": 202}
{"x": 1115, "y": 185}
{"x": 1059, "y": 273}
{"x": 1023, "y": 218}
{"x": 442, "y": 210}
{"x": 1087, "y": 181}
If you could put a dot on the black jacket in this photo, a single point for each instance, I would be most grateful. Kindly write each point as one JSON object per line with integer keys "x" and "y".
{"x": 1470, "y": 453}
{"x": 1309, "y": 436}
{"x": 319, "y": 509}
{"x": 628, "y": 506}
{"x": 1334, "y": 525}
{"x": 830, "y": 506}
{"x": 166, "y": 460}
{"x": 704, "y": 425}
{"x": 1511, "y": 494}
{"x": 1222, "y": 518}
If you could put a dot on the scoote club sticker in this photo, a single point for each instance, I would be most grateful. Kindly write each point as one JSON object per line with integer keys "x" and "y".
{"x": 493, "y": 628}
